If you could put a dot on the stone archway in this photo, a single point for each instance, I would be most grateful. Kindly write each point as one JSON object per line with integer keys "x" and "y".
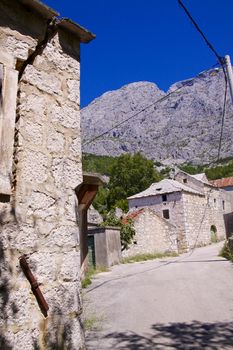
{"x": 213, "y": 234}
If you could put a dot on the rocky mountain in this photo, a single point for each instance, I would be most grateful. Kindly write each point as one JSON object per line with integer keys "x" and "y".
{"x": 183, "y": 128}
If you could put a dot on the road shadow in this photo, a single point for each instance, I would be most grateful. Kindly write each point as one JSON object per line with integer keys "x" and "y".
{"x": 180, "y": 336}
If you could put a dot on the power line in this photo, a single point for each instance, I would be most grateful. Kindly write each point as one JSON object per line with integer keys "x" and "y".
{"x": 221, "y": 61}
{"x": 185, "y": 83}
{"x": 133, "y": 116}
{"x": 188, "y": 82}
{"x": 223, "y": 119}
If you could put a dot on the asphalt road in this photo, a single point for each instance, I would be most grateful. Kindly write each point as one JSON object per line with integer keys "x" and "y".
{"x": 179, "y": 303}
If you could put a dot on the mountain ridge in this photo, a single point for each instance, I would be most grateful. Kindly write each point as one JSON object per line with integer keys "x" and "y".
{"x": 184, "y": 128}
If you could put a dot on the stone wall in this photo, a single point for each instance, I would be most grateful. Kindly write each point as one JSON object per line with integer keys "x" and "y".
{"x": 174, "y": 204}
{"x": 153, "y": 235}
{"x": 190, "y": 181}
{"x": 39, "y": 218}
{"x": 202, "y": 213}
{"x": 197, "y": 223}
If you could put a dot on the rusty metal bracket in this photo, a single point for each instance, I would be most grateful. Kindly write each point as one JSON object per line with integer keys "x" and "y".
{"x": 34, "y": 285}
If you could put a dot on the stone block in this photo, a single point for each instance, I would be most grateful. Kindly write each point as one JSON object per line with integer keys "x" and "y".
{"x": 26, "y": 239}
{"x": 65, "y": 115}
{"x": 32, "y": 104}
{"x": 74, "y": 90}
{"x": 64, "y": 299}
{"x": 72, "y": 173}
{"x": 34, "y": 167}
{"x": 47, "y": 82}
{"x": 22, "y": 339}
{"x": 18, "y": 48}
{"x": 60, "y": 59}
{"x": 75, "y": 147}
{"x": 55, "y": 141}
{"x": 63, "y": 236}
{"x": 39, "y": 200}
{"x": 18, "y": 306}
{"x": 44, "y": 227}
{"x": 58, "y": 171}
{"x": 70, "y": 267}
{"x": 71, "y": 208}
{"x": 45, "y": 266}
{"x": 32, "y": 132}
{"x": 66, "y": 172}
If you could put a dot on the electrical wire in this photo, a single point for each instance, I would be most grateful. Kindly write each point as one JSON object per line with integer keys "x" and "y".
{"x": 188, "y": 82}
{"x": 223, "y": 119}
{"x": 133, "y": 116}
{"x": 164, "y": 98}
{"x": 221, "y": 62}
{"x": 220, "y": 59}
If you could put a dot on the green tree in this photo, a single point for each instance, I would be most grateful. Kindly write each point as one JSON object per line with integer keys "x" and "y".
{"x": 130, "y": 174}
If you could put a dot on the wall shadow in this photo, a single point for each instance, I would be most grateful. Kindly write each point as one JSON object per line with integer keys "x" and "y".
{"x": 5, "y": 271}
{"x": 180, "y": 336}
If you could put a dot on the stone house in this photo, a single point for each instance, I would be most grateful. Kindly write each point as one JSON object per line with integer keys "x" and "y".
{"x": 225, "y": 184}
{"x": 154, "y": 234}
{"x": 40, "y": 168}
{"x": 191, "y": 204}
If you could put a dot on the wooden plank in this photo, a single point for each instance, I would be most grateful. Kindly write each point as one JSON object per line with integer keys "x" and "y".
{"x": 9, "y": 86}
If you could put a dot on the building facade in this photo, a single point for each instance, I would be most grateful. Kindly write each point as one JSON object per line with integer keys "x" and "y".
{"x": 191, "y": 204}
{"x": 40, "y": 167}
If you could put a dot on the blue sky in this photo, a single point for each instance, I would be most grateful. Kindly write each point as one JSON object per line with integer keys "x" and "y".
{"x": 150, "y": 40}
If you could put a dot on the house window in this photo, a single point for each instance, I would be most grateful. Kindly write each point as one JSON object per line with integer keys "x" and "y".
{"x": 164, "y": 198}
{"x": 223, "y": 205}
{"x": 215, "y": 202}
{"x": 185, "y": 181}
{"x": 166, "y": 214}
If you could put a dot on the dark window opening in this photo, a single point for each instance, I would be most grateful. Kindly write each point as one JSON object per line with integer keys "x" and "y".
{"x": 164, "y": 198}
{"x": 185, "y": 181}
{"x": 223, "y": 205}
{"x": 166, "y": 214}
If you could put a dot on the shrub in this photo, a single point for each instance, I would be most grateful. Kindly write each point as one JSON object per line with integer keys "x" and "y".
{"x": 127, "y": 230}
{"x": 226, "y": 252}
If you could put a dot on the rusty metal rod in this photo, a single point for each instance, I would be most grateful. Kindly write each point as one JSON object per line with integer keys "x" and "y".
{"x": 34, "y": 286}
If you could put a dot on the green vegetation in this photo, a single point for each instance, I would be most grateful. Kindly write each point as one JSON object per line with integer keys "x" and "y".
{"x": 212, "y": 173}
{"x": 147, "y": 256}
{"x": 129, "y": 174}
{"x": 220, "y": 171}
{"x": 127, "y": 230}
{"x": 98, "y": 164}
{"x": 91, "y": 323}
{"x": 192, "y": 169}
{"x": 226, "y": 252}
{"x": 86, "y": 281}
{"x": 106, "y": 164}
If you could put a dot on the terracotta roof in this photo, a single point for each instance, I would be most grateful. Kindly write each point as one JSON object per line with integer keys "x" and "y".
{"x": 136, "y": 213}
{"x": 133, "y": 215}
{"x": 225, "y": 182}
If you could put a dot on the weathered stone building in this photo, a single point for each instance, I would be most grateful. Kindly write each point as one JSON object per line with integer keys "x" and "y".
{"x": 225, "y": 184}
{"x": 40, "y": 167}
{"x": 154, "y": 234}
{"x": 191, "y": 204}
